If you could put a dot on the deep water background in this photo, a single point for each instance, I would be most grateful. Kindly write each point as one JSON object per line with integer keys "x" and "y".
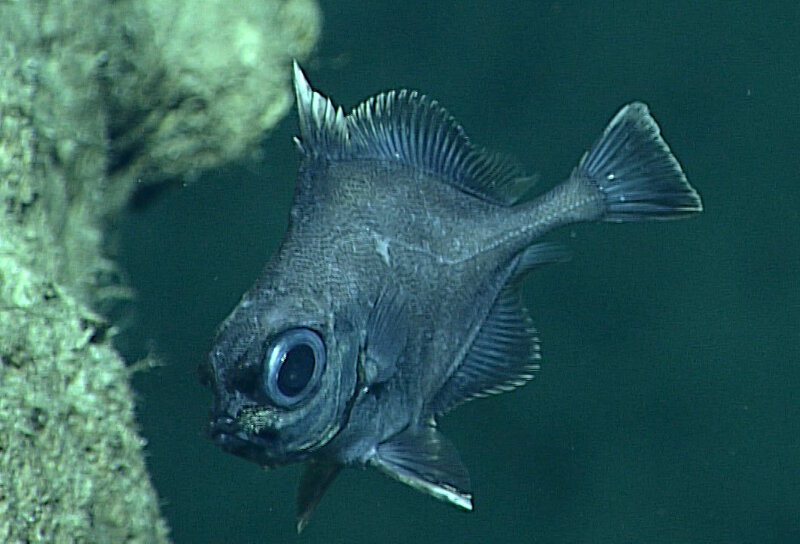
{"x": 667, "y": 409}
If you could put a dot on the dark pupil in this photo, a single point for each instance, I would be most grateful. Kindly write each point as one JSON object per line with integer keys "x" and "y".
{"x": 296, "y": 370}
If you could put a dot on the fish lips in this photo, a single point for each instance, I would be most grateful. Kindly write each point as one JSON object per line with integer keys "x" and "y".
{"x": 263, "y": 448}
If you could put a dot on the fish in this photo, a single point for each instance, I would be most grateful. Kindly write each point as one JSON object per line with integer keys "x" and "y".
{"x": 394, "y": 295}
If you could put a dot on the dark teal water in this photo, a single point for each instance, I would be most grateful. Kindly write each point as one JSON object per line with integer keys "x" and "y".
{"x": 667, "y": 409}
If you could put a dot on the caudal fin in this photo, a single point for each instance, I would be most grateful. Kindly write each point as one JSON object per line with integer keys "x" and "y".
{"x": 635, "y": 170}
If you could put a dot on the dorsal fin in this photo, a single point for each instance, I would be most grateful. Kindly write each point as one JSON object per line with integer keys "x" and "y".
{"x": 409, "y": 128}
{"x": 323, "y": 128}
{"x": 505, "y": 352}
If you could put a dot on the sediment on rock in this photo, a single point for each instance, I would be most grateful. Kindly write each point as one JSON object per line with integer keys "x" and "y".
{"x": 95, "y": 98}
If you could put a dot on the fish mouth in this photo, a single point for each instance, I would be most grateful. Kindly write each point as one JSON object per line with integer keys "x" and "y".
{"x": 226, "y": 433}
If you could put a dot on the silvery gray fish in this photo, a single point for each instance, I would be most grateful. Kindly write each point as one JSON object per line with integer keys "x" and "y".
{"x": 394, "y": 295}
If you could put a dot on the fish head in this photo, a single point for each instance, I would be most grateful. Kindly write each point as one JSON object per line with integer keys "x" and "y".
{"x": 282, "y": 371}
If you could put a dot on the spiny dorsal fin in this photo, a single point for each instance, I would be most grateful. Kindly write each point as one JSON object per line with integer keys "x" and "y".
{"x": 505, "y": 352}
{"x": 409, "y": 128}
{"x": 322, "y": 125}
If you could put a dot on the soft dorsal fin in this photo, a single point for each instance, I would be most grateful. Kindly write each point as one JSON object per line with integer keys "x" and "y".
{"x": 409, "y": 128}
{"x": 505, "y": 352}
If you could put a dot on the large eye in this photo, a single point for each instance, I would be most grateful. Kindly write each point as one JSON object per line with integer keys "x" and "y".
{"x": 292, "y": 365}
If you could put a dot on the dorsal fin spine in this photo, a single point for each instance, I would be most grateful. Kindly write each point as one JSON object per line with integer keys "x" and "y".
{"x": 323, "y": 126}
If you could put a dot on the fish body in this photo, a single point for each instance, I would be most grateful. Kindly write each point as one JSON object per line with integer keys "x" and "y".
{"x": 394, "y": 295}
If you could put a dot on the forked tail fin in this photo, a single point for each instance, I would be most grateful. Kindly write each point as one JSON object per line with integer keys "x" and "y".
{"x": 635, "y": 170}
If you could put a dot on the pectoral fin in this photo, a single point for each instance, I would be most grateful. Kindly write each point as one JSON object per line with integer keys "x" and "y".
{"x": 427, "y": 461}
{"x": 314, "y": 481}
{"x": 386, "y": 335}
{"x": 505, "y": 352}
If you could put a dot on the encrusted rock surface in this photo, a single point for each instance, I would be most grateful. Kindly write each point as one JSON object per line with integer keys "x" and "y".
{"x": 94, "y": 97}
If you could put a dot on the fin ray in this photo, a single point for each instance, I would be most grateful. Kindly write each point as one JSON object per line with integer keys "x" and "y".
{"x": 426, "y": 460}
{"x": 322, "y": 125}
{"x": 386, "y": 335}
{"x": 635, "y": 170}
{"x": 314, "y": 481}
{"x": 410, "y": 128}
{"x": 505, "y": 352}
